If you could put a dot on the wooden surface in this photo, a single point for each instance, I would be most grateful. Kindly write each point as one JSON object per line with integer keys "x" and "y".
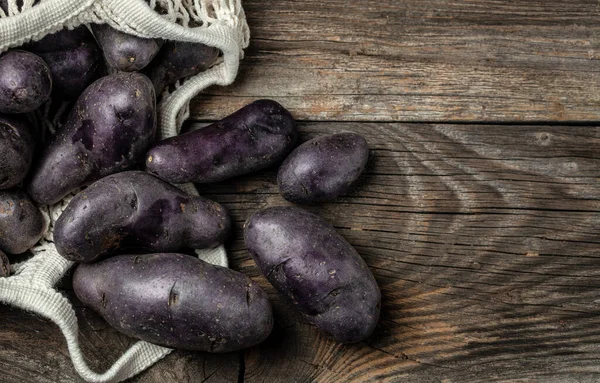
{"x": 484, "y": 238}
{"x": 421, "y": 60}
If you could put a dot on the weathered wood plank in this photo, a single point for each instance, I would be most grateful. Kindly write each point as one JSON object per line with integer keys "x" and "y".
{"x": 388, "y": 60}
{"x": 484, "y": 239}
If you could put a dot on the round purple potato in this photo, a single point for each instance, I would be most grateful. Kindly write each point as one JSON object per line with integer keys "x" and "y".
{"x": 4, "y": 265}
{"x": 16, "y": 150}
{"x": 253, "y": 138}
{"x": 136, "y": 211}
{"x": 25, "y": 82}
{"x": 306, "y": 260}
{"x": 108, "y": 130}
{"x": 21, "y": 222}
{"x": 125, "y": 52}
{"x": 74, "y": 59}
{"x": 178, "y": 60}
{"x": 176, "y": 301}
{"x": 323, "y": 168}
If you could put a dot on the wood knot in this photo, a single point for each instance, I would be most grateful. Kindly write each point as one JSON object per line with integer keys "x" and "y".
{"x": 544, "y": 138}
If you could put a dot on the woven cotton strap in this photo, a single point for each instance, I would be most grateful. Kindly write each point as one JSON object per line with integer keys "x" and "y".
{"x": 224, "y": 27}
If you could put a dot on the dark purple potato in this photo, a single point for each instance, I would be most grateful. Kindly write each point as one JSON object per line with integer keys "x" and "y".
{"x": 176, "y": 301}
{"x": 323, "y": 168}
{"x": 108, "y": 130}
{"x": 16, "y": 150}
{"x": 317, "y": 269}
{"x": 123, "y": 51}
{"x": 74, "y": 59}
{"x": 178, "y": 60}
{"x": 21, "y": 222}
{"x": 25, "y": 82}
{"x": 253, "y": 138}
{"x": 74, "y": 70}
{"x": 137, "y": 211}
{"x": 4, "y": 265}
{"x": 63, "y": 40}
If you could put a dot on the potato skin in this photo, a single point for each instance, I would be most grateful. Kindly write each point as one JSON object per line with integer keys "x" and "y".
{"x": 25, "y": 82}
{"x": 123, "y": 51}
{"x": 176, "y": 301}
{"x": 108, "y": 130}
{"x": 16, "y": 150}
{"x": 255, "y": 137}
{"x": 323, "y": 168}
{"x": 306, "y": 260}
{"x": 21, "y": 222}
{"x": 137, "y": 210}
{"x": 178, "y": 60}
{"x": 74, "y": 59}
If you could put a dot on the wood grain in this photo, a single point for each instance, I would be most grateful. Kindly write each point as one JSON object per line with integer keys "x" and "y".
{"x": 484, "y": 240}
{"x": 414, "y": 60}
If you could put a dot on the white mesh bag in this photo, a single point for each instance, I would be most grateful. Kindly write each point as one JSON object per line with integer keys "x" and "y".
{"x": 217, "y": 23}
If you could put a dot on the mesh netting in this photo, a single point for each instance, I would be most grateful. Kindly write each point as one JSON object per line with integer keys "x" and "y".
{"x": 217, "y": 23}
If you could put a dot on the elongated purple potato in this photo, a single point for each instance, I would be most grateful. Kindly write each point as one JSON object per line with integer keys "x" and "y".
{"x": 25, "y": 82}
{"x": 4, "y": 265}
{"x": 176, "y": 301}
{"x": 306, "y": 260}
{"x": 178, "y": 60}
{"x": 74, "y": 59}
{"x": 323, "y": 168}
{"x": 253, "y": 138}
{"x": 108, "y": 130}
{"x": 16, "y": 150}
{"x": 135, "y": 210}
{"x": 21, "y": 222}
{"x": 123, "y": 51}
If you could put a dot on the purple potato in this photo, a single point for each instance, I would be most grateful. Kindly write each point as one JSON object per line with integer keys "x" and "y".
{"x": 178, "y": 60}
{"x": 74, "y": 59}
{"x": 108, "y": 130}
{"x": 176, "y": 301}
{"x": 21, "y": 222}
{"x": 25, "y": 82}
{"x": 125, "y": 52}
{"x": 4, "y": 265}
{"x": 136, "y": 211}
{"x": 16, "y": 150}
{"x": 63, "y": 40}
{"x": 306, "y": 260}
{"x": 74, "y": 70}
{"x": 323, "y": 168}
{"x": 253, "y": 138}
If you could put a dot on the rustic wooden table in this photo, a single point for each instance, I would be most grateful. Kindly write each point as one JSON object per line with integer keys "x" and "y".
{"x": 479, "y": 213}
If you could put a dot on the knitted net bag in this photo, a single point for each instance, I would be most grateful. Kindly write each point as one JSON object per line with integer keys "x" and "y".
{"x": 217, "y": 23}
